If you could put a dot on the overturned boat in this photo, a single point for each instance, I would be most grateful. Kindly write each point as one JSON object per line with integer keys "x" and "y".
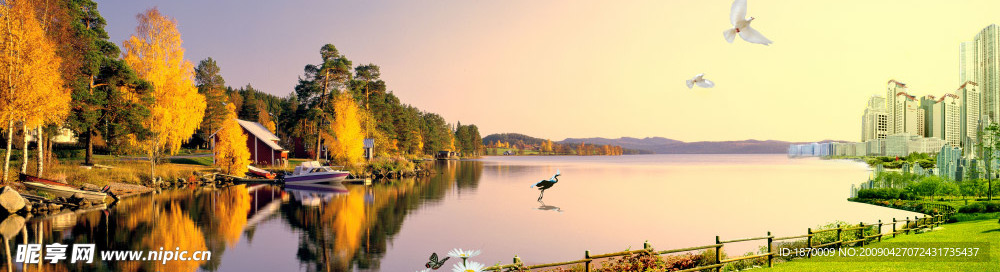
{"x": 60, "y": 189}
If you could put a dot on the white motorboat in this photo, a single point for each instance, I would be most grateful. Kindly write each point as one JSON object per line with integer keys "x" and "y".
{"x": 312, "y": 172}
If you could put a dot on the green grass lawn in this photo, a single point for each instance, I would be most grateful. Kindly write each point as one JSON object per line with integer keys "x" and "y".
{"x": 973, "y": 231}
{"x": 206, "y": 161}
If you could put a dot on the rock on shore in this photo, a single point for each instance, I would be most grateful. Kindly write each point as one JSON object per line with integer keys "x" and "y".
{"x": 10, "y": 200}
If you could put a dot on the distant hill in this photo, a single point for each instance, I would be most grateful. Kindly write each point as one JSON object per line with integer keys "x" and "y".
{"x": 512, "y": 138}
{"x": 660, "y": 145}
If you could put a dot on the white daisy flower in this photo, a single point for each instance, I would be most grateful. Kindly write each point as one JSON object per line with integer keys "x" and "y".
{"x": 459, "y": 253}
{"x": 470, "y": 267}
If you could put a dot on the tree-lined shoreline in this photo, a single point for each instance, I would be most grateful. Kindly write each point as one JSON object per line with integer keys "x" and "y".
{"x": 144, "y": 98}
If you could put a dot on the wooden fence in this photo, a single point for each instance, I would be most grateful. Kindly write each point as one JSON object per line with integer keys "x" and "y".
{"x": 719, "y": 262}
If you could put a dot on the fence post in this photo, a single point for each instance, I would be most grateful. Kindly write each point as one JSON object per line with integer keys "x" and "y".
{"x": 718, "y": 253}
{"x": 809, "y": 243}
{"x": 586, "y": 265}
{"x": 770, "y": 249}
{"x": 839, "y": 242}
{"x": 893, "y": 227}
{"x": 907, "y": 226}
{"x": 861, "y": 233}
{"x": 880, "y": 230}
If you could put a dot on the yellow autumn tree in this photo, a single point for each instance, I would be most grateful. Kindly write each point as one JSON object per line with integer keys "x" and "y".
{"x": 231, "y": 152}
{"x": 347, "y": 141}
{"x": 31, "y": 88}
{"x": 155, "y": 53}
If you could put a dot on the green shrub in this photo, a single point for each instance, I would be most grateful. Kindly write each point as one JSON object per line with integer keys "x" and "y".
{"x": 962, "y": 217}
{"x": 385, "y": 165}
{"x": 68, "y": 153}
{"x": 885, "y": 193}
{"x": 980, "y": 207}
{"x": 831, "y": 236}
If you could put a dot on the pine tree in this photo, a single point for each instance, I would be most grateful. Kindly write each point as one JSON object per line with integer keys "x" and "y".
{"x": 213, "y": 87}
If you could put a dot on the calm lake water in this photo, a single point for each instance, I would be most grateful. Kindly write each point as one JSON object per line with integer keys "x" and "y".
{"x": 601, "y": 204}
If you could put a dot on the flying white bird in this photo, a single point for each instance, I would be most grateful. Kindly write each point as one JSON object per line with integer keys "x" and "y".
{"x": 741, "y": 25}
{"x": 701, "y": 82}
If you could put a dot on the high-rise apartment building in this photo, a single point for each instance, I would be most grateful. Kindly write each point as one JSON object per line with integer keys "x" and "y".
{"x": 894, "y": 105}
{"x": 943, "y": 118}
{"x": 969, "y": 112}
{"x": 966, "y": 62}
{"x": 875, "y": 120}
{"x": 984, "y": 65}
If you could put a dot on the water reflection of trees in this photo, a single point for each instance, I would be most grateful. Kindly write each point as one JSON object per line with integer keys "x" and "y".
{"x": 352, "y": 230}
{"x": 188, "y": 219}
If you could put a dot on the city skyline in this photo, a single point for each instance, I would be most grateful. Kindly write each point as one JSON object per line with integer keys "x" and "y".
{"x": 552, "y": 70}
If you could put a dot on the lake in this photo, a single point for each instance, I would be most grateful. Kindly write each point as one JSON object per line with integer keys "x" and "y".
{"x": 601, "y": 203}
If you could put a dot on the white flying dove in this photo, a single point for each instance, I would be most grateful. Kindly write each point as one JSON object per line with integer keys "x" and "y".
{"x": 741, "y": 25}
{"x": 701, "y": 82}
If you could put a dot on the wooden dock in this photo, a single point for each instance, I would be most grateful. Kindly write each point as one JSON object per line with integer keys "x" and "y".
{"x": 365, "y": 181}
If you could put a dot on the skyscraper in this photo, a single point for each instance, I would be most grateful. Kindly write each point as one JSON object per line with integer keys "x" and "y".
{"x": 985, "y": 67}
{"x": 966, "y": 62}
{"x": 913, "y": 117}
{"x": 969, "y": 100}
{"x": 894, "y": 106}
{"x": 943, "y": 118}
{"x": 905, "y": 114}
{"x": 875, "y": 121}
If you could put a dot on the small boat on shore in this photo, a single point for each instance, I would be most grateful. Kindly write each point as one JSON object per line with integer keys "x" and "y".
{"x": 260, "y": 172}
{"x": 60, "y": 189}
{"x": 312, "y": 172}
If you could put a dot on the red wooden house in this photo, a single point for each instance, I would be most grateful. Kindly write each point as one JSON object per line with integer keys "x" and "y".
{"x": 263, "y": 145}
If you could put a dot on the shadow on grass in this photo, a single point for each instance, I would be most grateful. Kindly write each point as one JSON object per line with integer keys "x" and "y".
{"x": 195, "y": 161}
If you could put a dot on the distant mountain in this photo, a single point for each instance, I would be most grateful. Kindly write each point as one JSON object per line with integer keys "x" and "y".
{"x": 660, "y": 145}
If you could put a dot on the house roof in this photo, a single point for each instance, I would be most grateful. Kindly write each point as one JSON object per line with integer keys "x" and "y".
{"x": 260, "y": 132}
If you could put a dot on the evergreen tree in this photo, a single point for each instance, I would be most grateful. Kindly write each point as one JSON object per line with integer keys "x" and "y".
{"x": 211, "y": 84}
{"x": 108, "y": 97}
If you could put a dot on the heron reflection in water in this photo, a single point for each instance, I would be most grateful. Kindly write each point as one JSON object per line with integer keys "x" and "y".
{"x": 544, "y": 207}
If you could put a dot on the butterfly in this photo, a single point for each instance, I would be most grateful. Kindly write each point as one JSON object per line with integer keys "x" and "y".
{"x": 434, "y": 263}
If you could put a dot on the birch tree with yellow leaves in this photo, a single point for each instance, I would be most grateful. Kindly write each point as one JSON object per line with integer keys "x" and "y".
{"x": 155, "y": 53}
{"x": 31, "y": 85}
{"x": 347, "y": 143}
{"x": 231, "y": 152}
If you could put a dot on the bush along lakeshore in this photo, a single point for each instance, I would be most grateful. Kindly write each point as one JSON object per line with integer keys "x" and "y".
{"x": 919, "y": 191}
